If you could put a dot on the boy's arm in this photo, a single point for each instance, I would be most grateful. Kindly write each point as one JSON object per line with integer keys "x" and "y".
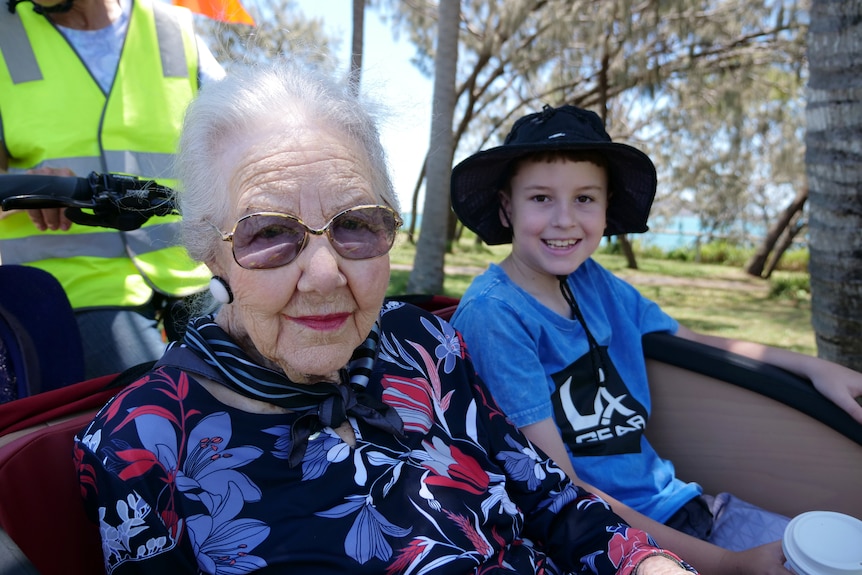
{"x": 841, "y": 385}
{"x": 703, "y": 556}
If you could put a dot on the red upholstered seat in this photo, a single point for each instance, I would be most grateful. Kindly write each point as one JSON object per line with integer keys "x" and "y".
{"x": 21, "y": 415}
{"x": 40, "y": 501}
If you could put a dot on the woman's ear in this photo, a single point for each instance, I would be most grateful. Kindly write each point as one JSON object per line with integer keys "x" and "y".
{"x": 216, "y": 269}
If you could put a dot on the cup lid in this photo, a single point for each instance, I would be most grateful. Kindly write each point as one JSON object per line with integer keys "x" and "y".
{"x": 824, "y": 543}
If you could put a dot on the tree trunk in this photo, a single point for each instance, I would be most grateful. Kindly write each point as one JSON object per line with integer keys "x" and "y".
{"x": 628, "y": 252}
{"x": 833, "y": 164}
{"x": 356, "y": 43}
{"x": 427, "y": 273}
{"x": 783, "y": 245}
{"x": 755, "y": 265}
{"x": 414, "y": 202}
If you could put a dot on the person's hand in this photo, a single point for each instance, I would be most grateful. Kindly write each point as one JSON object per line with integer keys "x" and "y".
{"x": 841, "y": 385}
{"x": 763, "y": 560}
{"x": 51, "y": 218}
{"x": 659, "y": 565}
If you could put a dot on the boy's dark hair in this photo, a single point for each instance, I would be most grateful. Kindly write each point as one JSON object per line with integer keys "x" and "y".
{"x": 549, "y": 156}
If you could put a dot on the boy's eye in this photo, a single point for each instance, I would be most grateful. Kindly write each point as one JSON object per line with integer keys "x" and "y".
{"x": 584, "y": 199}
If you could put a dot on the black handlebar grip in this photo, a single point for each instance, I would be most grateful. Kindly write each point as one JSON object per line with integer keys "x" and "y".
{"x": 36, "y": 191}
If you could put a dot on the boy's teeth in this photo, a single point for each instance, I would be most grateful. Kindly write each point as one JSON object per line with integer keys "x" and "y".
{"x": 560, "y": 243}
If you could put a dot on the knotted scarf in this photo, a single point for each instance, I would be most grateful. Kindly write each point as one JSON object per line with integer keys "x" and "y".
{"x": 322, "y": 404}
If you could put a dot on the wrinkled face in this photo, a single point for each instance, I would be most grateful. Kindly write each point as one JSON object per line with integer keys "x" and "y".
{"x": 557, "y": 211}
{"x": 309, "y": 315}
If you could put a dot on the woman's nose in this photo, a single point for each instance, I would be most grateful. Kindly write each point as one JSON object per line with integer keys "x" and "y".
{"x": 320, "y": 267}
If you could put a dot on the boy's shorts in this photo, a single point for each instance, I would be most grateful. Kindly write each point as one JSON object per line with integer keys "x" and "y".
{"x": 729, "y": 522}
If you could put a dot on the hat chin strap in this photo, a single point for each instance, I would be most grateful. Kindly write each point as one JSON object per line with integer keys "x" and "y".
{"x": 595, "y": 356}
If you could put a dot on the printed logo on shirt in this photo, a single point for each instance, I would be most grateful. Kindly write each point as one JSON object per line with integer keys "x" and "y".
{"x": 594, "y": 419}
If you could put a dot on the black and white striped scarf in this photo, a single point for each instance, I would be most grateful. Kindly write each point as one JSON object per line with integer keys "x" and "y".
{"x": 322, "y": 404}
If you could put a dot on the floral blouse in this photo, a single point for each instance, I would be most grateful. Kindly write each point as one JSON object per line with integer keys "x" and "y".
{"x": 181, "y": 483}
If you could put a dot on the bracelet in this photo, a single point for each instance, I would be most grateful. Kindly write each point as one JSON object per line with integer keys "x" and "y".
{"x": 670, "y": 556}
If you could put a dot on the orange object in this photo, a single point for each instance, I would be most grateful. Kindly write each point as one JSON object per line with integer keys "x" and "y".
{"x": 230, "y": 11}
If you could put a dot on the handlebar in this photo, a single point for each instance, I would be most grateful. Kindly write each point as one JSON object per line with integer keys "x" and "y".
{"x": 111, "y": 200}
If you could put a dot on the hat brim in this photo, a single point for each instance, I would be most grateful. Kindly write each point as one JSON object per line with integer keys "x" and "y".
{"x": 475, "y": 187}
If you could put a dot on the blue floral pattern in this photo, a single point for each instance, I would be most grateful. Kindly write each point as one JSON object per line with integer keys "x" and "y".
{"x": 181, "y": 483}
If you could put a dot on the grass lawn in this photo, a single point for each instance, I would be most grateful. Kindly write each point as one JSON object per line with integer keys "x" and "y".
{"x": 714, "y": 299}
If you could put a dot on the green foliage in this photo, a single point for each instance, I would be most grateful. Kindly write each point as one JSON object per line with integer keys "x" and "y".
{"x": 610, "y": 248}
{"x": 724, "y": 252}
{"x": 795, "y": 287}
{"x": 398, "y": 281}
{"x": 794, "y": 260}
{"x": 681, "y": 254}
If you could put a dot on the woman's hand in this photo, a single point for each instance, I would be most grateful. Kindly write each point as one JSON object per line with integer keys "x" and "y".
{"x": 659, "y": 565}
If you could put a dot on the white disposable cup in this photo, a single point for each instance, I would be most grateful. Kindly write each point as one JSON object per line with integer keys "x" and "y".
{"x": 823, "y": 543}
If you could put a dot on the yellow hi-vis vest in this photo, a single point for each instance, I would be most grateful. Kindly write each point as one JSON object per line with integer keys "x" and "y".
{"x": 53, "y": 113}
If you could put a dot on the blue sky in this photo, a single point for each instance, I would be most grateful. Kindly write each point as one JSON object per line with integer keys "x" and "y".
{"x": 390, "y": 78}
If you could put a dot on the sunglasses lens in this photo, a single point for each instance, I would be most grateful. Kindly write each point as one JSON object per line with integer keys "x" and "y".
{"x": 264, "y": 241}
{"x": 364, "y": 233}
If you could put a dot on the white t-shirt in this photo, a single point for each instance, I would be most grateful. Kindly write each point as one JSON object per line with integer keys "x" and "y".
{"x": 100, "y": 50}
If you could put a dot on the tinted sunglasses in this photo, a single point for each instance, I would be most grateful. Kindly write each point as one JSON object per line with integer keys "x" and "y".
{"x": 266, "y": 240}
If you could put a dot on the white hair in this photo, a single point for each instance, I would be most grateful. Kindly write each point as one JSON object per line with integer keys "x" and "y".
{"x": 245, "y": 100}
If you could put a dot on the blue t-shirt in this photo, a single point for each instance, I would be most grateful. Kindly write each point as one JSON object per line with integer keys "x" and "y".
{"x": 538, "y": 365}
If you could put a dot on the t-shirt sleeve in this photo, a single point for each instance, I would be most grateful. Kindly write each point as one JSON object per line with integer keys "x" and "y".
{"x": 506, "y": 356}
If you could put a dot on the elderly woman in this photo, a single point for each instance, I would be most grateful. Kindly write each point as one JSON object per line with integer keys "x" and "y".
{"x": 307, "y": 426}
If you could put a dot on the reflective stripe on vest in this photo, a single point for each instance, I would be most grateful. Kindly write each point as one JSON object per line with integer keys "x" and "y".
{"x": 170, "y": 43}
{"x": 115, "y": 162}
{"x": 30, "y": 249}
{"x": 17, "y": 51}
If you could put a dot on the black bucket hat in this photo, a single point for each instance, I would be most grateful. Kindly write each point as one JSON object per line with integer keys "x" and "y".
{"x": 477, "y": 181}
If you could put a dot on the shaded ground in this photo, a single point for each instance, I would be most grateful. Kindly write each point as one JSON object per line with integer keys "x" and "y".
{"x": 742, "y": 282}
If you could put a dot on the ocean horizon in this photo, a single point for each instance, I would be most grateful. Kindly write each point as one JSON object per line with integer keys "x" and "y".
{"x": 678, "y": 232}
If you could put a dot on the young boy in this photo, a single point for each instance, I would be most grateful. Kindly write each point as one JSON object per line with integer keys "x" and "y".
{"x": 557, "y": 337}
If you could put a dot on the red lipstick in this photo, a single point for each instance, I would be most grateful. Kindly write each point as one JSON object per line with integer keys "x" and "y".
{"x": 328, "y": 322}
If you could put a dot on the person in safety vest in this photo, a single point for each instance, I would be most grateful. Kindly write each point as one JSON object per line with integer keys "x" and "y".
{"x": 100, "y": 85}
